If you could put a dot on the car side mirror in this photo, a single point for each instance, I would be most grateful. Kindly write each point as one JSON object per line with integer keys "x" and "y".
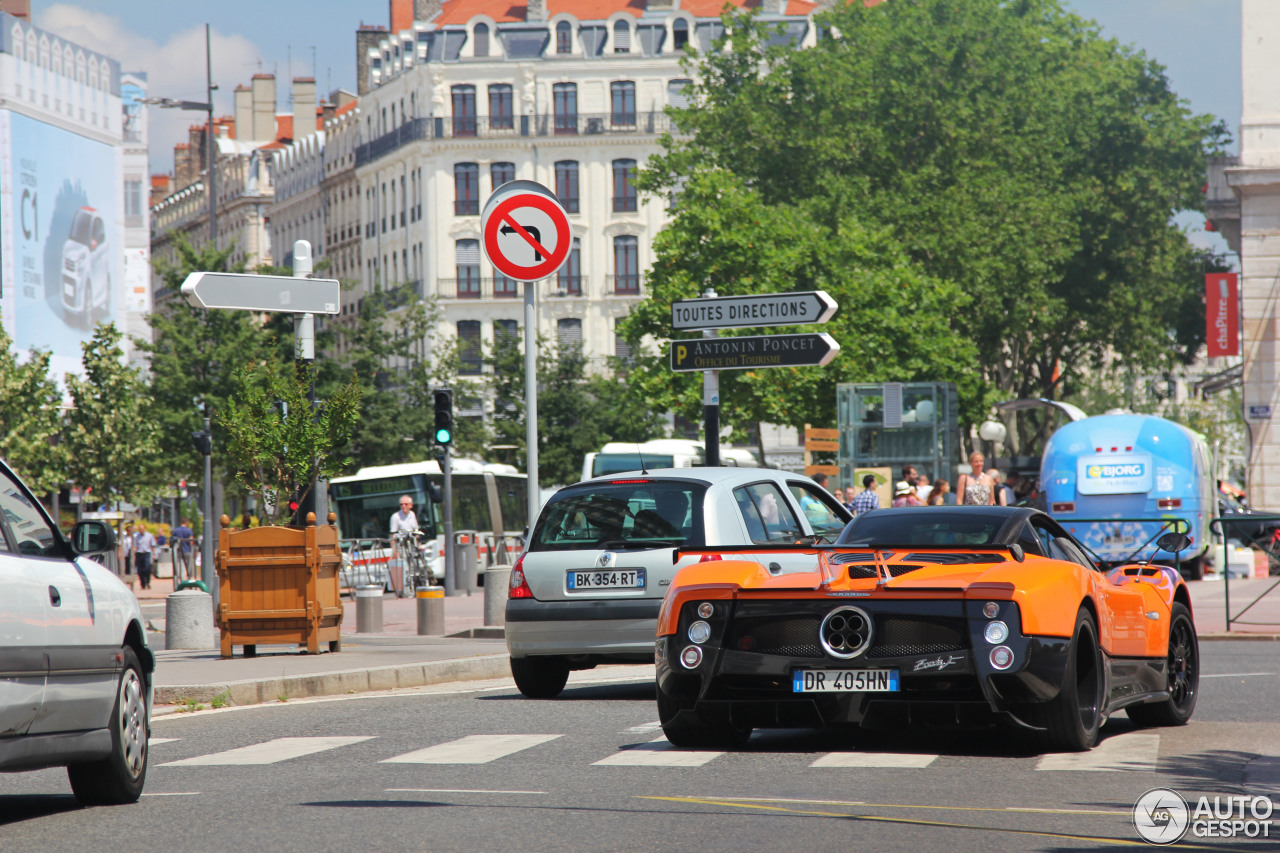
{"x": 1173, "y": 542}
{"x": 1015, "y": 551}
{"x": 92, "y": 537}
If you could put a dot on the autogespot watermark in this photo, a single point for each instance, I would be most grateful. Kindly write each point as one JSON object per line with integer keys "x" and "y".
{"x": 1162, "y": 816}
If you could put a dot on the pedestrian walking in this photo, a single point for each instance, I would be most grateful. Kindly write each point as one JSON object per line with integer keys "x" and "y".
{"x": 939, "y": 493}
{"x": 126, "y": 550}
{"x": 976, "y": 488}
{"x": 867, "y": 499}
{"x": 904, "y": 494}
{"x": 182, "y": 550}
{"x": 144, "y": 547}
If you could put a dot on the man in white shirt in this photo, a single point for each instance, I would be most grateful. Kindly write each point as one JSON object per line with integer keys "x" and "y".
{"x": 402, "y": 522}
{"x": 144, "y": 546}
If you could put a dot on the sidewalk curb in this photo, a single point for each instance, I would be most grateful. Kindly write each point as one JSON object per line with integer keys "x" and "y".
{"x": 257, "y": 691}
{"x": 1238, "y": 635}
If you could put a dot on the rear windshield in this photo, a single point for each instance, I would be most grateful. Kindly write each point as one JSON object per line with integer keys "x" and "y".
{"x": 615, "y": 463}
{"x": 622, "y": 514}
{"x": 924, "y": 526}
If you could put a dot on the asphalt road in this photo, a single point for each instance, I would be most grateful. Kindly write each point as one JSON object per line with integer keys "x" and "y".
{"x": 591, "y": 772}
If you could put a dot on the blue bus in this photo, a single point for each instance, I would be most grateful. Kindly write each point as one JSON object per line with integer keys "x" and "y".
{"x": 1130, "y": 466}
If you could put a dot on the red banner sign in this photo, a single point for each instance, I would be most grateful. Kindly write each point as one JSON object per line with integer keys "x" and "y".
{"x": 1222, "y": 313}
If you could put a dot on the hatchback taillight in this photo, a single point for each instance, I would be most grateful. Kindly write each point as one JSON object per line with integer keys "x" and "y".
{"x": 519, "y": 586}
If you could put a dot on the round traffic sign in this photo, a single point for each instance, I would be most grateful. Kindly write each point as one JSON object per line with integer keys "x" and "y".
{"x": 526, "y": 233}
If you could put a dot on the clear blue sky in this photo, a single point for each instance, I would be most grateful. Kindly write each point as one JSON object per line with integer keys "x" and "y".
{"x": 1198, "y": 42}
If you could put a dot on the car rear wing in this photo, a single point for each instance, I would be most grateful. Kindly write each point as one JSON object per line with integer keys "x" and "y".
{"x": 1015, "y": 551}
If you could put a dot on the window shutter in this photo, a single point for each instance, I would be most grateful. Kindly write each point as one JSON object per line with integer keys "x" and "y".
{"x": 621, "y": 37}
{"x": 468, "y": 253}
{"x": 677, "y": 93}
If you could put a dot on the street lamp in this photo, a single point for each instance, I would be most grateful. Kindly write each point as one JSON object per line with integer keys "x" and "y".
{"x": 205, "y": 107}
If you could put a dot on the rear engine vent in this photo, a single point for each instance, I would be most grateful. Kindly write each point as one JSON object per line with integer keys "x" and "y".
{"x": 793, "y": 637}
{"x": 840, "y": 559}
{"x": 898, "y": 636}
{"x": 955, "y": 559}
{"x": 897, "y": 569}
{"x": 862, "y": 572}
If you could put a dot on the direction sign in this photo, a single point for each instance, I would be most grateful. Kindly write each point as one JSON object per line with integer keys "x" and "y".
{"x": 525, "y": 232}
{"x": 754, "y": 351}
{"x": 262, "y": 292}
{"x": 761, "y": 309}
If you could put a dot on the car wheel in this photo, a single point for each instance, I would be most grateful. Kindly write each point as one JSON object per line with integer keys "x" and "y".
{"x": 1193, "y": 569}
{"x": 1184, "y": 676}
{"x": 119, "y": 777}
{"x": 540, "y": 677}
{"x": 1074, "y": 716}
{"x": 698, "y": 730}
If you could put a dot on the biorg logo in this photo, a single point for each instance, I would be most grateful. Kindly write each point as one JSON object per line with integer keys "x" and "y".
{"x": 1104, "y": 472}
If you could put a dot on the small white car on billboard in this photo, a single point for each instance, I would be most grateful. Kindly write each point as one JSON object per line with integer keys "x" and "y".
{"x": 86, "y": 267}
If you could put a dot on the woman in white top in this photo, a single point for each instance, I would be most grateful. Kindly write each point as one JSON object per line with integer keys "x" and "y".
{"x": 976, "y": 489}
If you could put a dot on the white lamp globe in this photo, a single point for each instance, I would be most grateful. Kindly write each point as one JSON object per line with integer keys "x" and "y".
{"x": 992, "y": 431}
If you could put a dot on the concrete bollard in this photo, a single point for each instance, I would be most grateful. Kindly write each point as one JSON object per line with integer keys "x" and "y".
{"x": 431, "y": 611}
{"x": 497, "y": 583}
{"x": 369, "y": 609}
{"x": 188, "y": 620}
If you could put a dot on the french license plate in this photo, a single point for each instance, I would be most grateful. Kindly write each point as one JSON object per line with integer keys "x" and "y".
{"x": 611, "y": 579}
{"x": 1124, "y": 541}
{"x": 844, "y": 681}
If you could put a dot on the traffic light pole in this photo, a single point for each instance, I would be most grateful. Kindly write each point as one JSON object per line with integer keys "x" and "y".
{"x": 450, "y": 578}
{"x": 206, "y": 501}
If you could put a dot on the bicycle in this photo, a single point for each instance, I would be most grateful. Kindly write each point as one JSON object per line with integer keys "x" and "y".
{"x": 413, "y": 561}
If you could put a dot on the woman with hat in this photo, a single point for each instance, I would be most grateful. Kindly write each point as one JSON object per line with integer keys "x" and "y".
{"x": 904, "y": 494}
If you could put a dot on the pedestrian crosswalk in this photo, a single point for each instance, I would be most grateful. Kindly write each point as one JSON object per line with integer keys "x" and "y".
{"x": 1128, "y": 752}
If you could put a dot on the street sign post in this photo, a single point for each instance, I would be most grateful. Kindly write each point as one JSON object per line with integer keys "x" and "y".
{"x": 527, "y": 236}
{"x": 245, "y": 292}
{"x": 761, "y": 309}
{"x": 755, "y": 351}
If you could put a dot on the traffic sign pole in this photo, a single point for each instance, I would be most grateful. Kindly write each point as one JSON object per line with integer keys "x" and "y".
{"x": 531, "y": 403}
{"x": 711, "y": 402}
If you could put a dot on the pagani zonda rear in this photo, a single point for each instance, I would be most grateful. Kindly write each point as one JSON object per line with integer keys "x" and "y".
{"x": 943, "y": 615}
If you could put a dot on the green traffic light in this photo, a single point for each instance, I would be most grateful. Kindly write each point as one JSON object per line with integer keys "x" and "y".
{"x": 443, "y": 436}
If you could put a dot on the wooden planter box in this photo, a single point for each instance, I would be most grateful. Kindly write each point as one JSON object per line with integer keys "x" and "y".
{"x": 279, "y": 585}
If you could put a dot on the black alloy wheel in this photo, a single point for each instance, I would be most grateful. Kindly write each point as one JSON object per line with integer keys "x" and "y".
{"x": 1183, "y": 676}
{"x": 694, "y": 729}
{"x": 1074, "y": 717}
{"x": 540, "y": 677}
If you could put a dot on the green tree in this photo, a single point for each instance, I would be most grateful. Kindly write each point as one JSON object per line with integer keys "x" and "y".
{"x": 193, "y": 356}
{"x": 277, "y": 453}
{"x": 111, "y": 437}
{"x": 31, "y": 411}
{"x": 1005, "y": 147}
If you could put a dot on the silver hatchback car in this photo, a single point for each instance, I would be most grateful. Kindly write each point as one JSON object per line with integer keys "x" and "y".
{"x": 588, "y": 588}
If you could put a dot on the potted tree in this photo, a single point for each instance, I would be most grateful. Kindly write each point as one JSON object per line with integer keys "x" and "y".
{"x": 278, "y": 583}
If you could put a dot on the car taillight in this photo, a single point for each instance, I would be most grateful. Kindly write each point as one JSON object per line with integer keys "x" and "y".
{"x": 627, "y": 482}
{"x": 706, "y": 558}
{"x": 1169, "y": 503}
{"x": 519, "y": 586}
{"x": 1066, "y": 506}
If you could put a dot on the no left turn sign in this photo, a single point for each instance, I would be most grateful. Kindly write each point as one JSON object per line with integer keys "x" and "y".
{"x": 526, "y": 232}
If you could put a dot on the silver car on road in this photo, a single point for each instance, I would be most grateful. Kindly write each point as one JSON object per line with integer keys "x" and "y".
{"x": 588, "y": 588}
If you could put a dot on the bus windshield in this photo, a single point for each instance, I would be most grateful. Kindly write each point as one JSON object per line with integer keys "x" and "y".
{"x": 365, "y": 509}
{"x": 616, "y": 463}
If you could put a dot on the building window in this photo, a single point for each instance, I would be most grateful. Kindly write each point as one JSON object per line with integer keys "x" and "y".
{"x": 505, "y": 288}
{"x": 502, "y": 173}
{"x": 470, "y": 352}
{"x": 623, "y": 98}
{"x": 565, "y": 100}
{"x": 621, "y": 37}
{"x": 626, "y": 266}
{"x": 680, "y": 33}
{"x": 569, "y": 278}
{"x": 500, "y": 112}
{"x": 133, "y": 203}
{"x": 564, "y": 37}
{"x": 568, "y": 333}
{"x": 466, "y": 189}
{"x": 624, "y": 192}
{"x": 621, "y": 349}
{"x": 508, "y": 330}
{"x": 481, "y": 46}
{"x": 468, "y": 268}
{"x": 567, "y": 184}
{"x": 464, "y": 110}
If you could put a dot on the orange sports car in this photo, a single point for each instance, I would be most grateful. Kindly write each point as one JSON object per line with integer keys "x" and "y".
{"x": 935, "y": 615}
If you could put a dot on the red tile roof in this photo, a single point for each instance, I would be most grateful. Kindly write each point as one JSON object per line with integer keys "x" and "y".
{"x": 457, "y": 12}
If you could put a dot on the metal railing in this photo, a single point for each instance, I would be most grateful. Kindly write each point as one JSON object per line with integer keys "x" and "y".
{"x": 1265, "y": 538}
{"x": 479, "y": 288}
{"x": 624, "y": 285}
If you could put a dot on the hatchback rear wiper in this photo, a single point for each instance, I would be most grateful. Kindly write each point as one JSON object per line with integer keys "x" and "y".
{"x": 617, "y": 544}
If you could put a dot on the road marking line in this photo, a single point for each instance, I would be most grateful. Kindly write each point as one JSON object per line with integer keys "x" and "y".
{"x": 643, "y": 729}
{"x": 796, "y": 801}
{"x": 1123, "y": 814}
{"x": 874, "y": 759}
{"x": 268, "y": 752}
{"x": 657, "y": 753}
{"x": 472, "y": 749}
{"x": 1122, "y": 752}
{"x": 153, "y": 741}
{"x": 457, "y": 791}
{"x": 1234, "y": 674}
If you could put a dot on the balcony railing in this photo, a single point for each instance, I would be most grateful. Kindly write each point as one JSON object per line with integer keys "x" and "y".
{"x": 569, "y": 285}
{"x": 479, "y": 288}
{"x": 496, "y": 127}
{"x": 623, "y": 285}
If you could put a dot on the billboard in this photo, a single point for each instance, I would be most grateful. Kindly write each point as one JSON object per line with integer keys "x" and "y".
{"x": 1222, "y": 314}
{"x": 62, "y": 262}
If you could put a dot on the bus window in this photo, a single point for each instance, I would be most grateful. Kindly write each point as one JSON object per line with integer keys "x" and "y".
{"x": 470, "y": 504}
{"x": 513, "y": 502}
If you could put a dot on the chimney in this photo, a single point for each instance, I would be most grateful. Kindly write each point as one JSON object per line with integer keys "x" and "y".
{"x": 401, "y": 15}
{"x": 366, "y": 38}
{"x": 264, "y": 108}
{"x": 773, "y": 7}
{"x": 667, "y": 5}
{"x": 244, "y": 112}
{"x": 327, "y": 111}
{"x": 304, "y": 107}
{"x": 426, "y": 10}
{"x": 536, "y": 10}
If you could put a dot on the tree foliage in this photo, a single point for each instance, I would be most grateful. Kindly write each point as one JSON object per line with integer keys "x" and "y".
{"x": 275, "y": 451}
{"x": 31, "y": 412}
{"x": 111, "y": 438}
{"x": 1006, "y": 148}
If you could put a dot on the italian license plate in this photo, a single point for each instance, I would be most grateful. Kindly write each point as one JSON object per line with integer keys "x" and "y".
{"x": 844, "y": 681}
{"x": 607, "y": 579}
